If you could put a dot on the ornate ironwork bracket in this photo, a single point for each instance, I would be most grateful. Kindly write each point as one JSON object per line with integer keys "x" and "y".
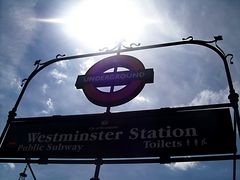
{"x": 121, "y": 45}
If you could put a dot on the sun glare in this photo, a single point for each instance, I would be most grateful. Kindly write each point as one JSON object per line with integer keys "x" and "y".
{"x": 104, "y": 23}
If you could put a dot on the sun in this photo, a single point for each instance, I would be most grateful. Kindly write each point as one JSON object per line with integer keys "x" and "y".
{"x": 97, "y": 24}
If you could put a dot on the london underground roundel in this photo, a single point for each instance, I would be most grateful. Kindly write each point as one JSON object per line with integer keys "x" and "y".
{"x": 133, "y": 80}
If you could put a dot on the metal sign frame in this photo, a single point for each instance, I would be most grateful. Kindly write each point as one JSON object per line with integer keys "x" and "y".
{"x": 233, "y": 98}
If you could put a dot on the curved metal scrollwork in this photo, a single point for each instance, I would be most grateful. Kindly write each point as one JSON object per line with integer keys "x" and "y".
{"x": 229, "y": 57}
{"x": 60, "y": 56}
{"x": 121, "y": 45}
{"x": 189, "y": 38}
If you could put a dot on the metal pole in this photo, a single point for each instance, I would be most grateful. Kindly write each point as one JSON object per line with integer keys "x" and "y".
{"x": 97, "y": 170}
{"x": 23, "y": 175}
{"x": 235, "y": 153}
{"x": 30, "y": 168}
{"x": 114, "y": 70}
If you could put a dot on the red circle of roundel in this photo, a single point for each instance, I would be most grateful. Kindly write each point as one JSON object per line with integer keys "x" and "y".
{"x": 108, "y": 99}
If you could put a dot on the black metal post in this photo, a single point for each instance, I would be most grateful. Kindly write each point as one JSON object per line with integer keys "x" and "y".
{"x": 30, "y": 168}
{"x": 114, "y": 70}
{"x": 23, "y": 175}
{"x": 97, "y": 169}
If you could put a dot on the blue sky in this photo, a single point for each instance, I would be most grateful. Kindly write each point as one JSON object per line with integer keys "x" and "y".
{"x": 186, "y": 75}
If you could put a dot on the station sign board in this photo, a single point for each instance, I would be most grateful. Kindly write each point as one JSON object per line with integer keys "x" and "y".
{"x": 133, "y": 78}
{"x": 148, "y": 133}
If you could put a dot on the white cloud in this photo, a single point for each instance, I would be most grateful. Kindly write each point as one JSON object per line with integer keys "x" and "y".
{"x": 15, "y": 83}
{"x": 60, "y": 77}
{"x": 213, "y": 97}
{"x": 141, "y": 99}
{"x": 44, "y": 112}
{"x": 62, "y": 64}
{"x": 210, "y": 97}
{"x": 85, "y": 65}
{"x": 44, "y": 88}
{"x": 182, "y": 166}
{"x": 50, "y": 104}
{"x": 9, "y": 165}
{"x": 49, "y": 107}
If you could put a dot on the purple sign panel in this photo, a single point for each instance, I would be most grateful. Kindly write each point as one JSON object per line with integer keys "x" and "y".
{"x": 97, "y": 76}
{"x": 149, "y": 133}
